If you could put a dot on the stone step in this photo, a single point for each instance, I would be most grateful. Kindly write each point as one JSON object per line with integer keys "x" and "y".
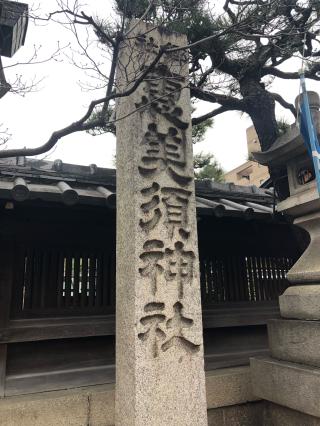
{"x": 291, "y": 385}
{"x": 295, "y": 341}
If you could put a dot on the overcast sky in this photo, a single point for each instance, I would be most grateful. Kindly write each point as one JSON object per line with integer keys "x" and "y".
{"x": 60, "y": 100}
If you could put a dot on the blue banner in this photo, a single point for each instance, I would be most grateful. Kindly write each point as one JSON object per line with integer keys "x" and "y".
{"x": 308, "y": 131}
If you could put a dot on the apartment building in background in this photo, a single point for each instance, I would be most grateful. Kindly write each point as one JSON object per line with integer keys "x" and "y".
{"x": 249, "y": 173}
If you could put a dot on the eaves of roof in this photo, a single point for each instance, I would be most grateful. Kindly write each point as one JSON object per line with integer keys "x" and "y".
{"x": 96, "y": 186}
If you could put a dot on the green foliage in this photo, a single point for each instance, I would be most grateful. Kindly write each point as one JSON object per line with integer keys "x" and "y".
{"x": 183, "y": 16}
{"x": 283, "y": 126}
{"x": 171, "y": 9}
{"x": 249, "y": 40}
{"x": 133, "y": 8}
{"x": 207, "y": 167}
{"x": 196, "y": 24}
{"x": 199, "y": 130}
{"x": 101, "y": 128}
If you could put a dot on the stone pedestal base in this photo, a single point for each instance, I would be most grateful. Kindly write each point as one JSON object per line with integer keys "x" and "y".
{"x": 291, "y": 378}
{"x": 301, "y": 302}
{"x": 295, "y": 341}
{"x": 275, "y": 415}
{"x": 290, "y": 385}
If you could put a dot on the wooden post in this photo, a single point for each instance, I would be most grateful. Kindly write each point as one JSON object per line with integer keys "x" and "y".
{"x": 6, "y": 259}
{"x": 3, "y": 364}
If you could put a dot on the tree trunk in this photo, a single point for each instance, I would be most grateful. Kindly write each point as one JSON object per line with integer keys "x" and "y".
{"x": 260, "y": 105}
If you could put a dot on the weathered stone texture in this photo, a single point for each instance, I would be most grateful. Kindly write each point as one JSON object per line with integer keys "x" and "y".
{"x": 307, "y": 269}
{"x": 160, "y": 370}
{"x": 275, "y": 415}
{"x": 250, "y": 414}
{"x": 291, "y": 385}
{"x": 229, "y": 386}
{"x": 301, "y": 302}
{"x": 295, "y": 341}
{"x": 102, "y": 407}
{"x": 71, "y": 411}
{"x": 92, "y": 406}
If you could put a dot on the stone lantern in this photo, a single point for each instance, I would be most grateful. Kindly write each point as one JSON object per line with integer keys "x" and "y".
{"x": 291, "y": 376}
{"x": 302, "y": 203}
{"x": 13, "y": 26}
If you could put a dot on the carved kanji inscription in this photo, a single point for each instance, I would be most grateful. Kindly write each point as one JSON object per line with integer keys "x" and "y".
{"x": 176, "y": 326}
{"x": 164, "y": 152}
{"x": 151, "y": 323}
{"x": 162, "y": 334}
{"x": 179, "y": 266}
{"x": 176, "y": 201}
{"x": 162, "y": 93}
{"x": 169, "y": 203}
{"x": 151, "y": 257}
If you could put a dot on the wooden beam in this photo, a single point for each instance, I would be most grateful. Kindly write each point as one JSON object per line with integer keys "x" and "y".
{"x": 223, "y": 315}
{"x": 36, "y": 330}
{"x": 109, "y": 196}
{"x": 3, "y": 365}
{"x": 20, "y": 190}
{"x": 69, "y": 195}
{"x": 6, "y": 267}
{"x": 233, "y": 358}
{"x": 6, "y": 257}
{"x": 62, "y": 379}
{"x": 242, "y": 315}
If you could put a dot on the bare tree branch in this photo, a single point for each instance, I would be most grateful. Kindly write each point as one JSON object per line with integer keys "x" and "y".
{"x": 228, "y": 102}
{"x": 82, "y": 124}
{"x": 311, "y": 73}
{"x": 33, "y": 59}
{"x": 284, "y": 103}
{"x": 211, "y": 114}
{"x": 249, "y": 42}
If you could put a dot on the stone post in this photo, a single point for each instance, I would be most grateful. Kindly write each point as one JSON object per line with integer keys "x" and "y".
{"x": 159, "y": 350}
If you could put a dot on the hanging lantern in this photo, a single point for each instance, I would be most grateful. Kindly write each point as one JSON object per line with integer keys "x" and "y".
{"x": 13, "y": 26}
{"x": 4, "y": 86}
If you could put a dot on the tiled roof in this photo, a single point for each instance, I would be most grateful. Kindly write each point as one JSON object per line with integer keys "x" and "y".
{"x": 25, "y": 179}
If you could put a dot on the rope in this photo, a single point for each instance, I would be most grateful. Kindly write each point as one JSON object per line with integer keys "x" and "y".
{"x": 301, "y": 72}
{"x": 303, "y": 53}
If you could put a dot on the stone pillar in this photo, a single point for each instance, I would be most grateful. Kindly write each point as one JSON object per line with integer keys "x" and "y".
{"x": 159, "y": 349}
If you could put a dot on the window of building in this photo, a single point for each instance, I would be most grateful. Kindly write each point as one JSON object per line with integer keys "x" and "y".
{"x": 245, "y": 173}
